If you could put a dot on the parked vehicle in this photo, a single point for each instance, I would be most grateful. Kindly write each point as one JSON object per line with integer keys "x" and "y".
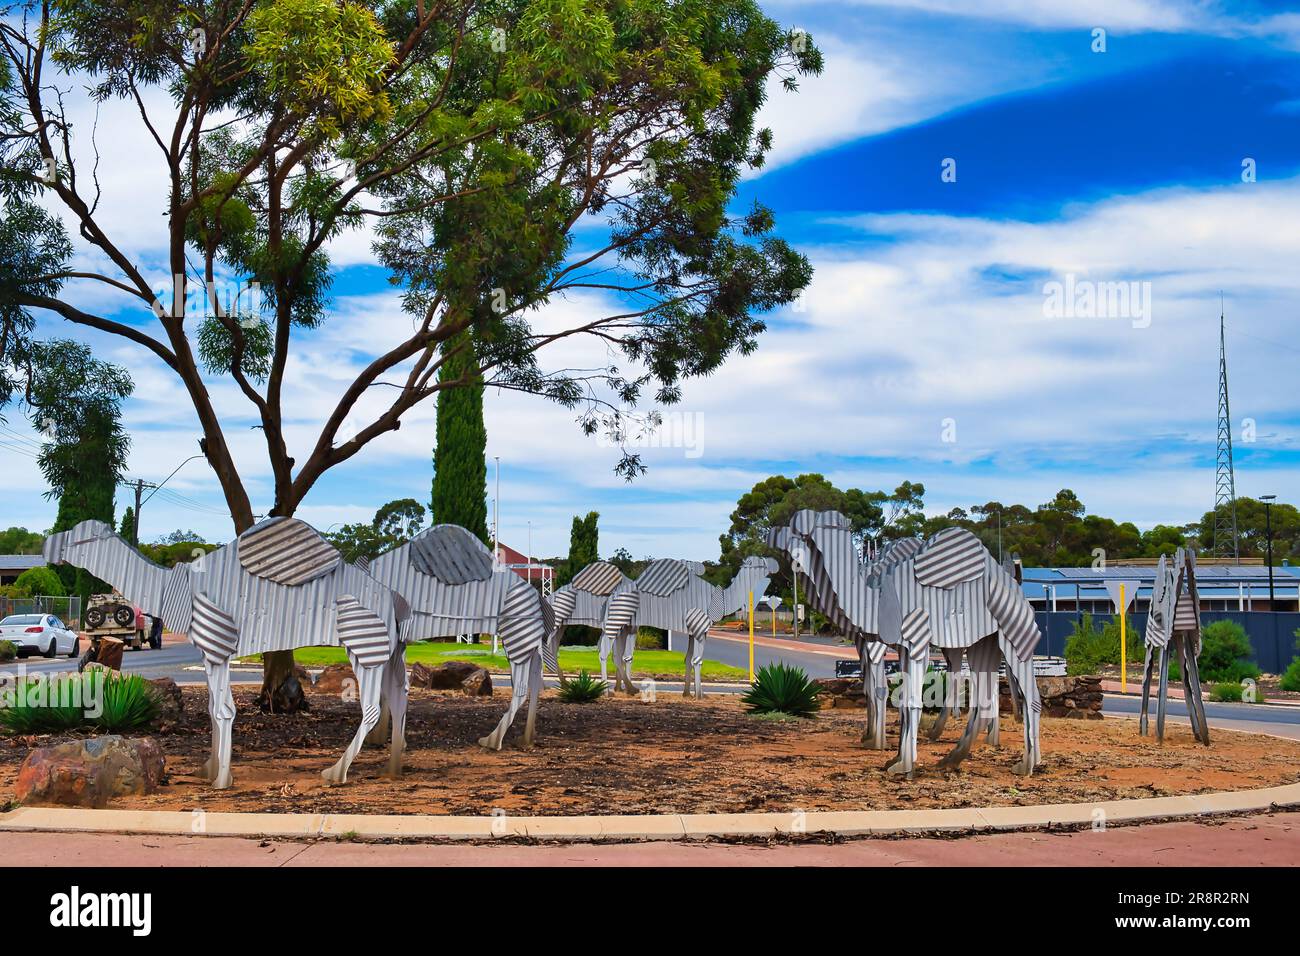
{"x": 40, "y": 633}
{"x": 111, "y": 615}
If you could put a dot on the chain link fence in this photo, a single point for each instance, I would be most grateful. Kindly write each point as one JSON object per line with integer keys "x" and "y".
{"x": 66, "y": 609}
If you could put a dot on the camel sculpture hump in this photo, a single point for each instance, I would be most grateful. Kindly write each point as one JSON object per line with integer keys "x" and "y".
{"x": 952, "y": 557}
{"x": 451, "y": 554}
{"x": 662, "y": 577}
{"x": 804, "y": 521}
{"x": 599, "y": 578}
{"x": 286, "y": 551}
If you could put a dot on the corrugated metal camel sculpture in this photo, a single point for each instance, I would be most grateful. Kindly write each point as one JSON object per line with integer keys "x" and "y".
{"x": 446, "y": 575}
{"x": 278, "y": 586}
{"x": 670, "y": 594}
{"x": 1175, "y": 618}
{"x": 582, "y": 601}
{"x": 949, "y": 594}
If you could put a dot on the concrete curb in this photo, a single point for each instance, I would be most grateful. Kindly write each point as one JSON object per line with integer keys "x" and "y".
{"x": 583, "y": 829}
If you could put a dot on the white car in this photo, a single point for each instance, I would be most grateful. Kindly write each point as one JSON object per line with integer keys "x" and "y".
{"x": 43, "y": 633}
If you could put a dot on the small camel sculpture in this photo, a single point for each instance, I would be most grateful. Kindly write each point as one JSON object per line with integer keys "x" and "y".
{"x": 950, "y": 594}
{"x": 276, "y": 587}
{"x": 582, "y": 601}
{"x": 446, "y": 575}
{"x": 671, "y": 594}
{"x": 1175, "y": 617}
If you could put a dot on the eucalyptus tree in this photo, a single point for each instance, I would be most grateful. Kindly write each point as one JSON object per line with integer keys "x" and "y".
{"x": 472, "y": 141}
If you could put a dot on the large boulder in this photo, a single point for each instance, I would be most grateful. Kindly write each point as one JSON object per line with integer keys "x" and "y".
{"x": 844, "y": 693}
{"x": 89, "y": 773}
{"x": 171, "y": 704}
{"x": 335, "y": 679}
{"x": 469, "y": 679}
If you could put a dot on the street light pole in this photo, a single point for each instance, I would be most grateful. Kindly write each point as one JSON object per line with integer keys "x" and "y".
{"x": 1268, "y": 533}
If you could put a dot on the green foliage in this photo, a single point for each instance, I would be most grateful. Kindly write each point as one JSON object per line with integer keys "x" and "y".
{"x": 650, "y": 639}
{"x": 584, "y": 547}
{"x": 773, "y": 501}
{"x": 103, "y": 701}
{"x": 1226, "y": 692}
{"x": 40, "y": 581}
{"x": 1087, "y": 649}
{"x": 582, "y": 689}
{"x": 8, "y": 650}
{"x": 1225, "y": 653}
{"x": 128, "y": 701}
{"x": 20, "y": 541}
{"x": 460, "y": 455}
{"x": 127, "y": 528}
{"x": 1291, "y": 676}
{"x": 176, "y": 552}
{"x": 323, "y": 58}
{"x": 1252, "y": 529}
{"x": 394, "y": 524}
{"x": 782, "y": 688}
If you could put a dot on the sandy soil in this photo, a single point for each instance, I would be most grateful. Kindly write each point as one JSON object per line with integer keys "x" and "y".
{"x": 671, "y": 756}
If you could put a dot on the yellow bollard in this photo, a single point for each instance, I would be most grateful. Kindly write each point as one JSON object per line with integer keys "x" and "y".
{"x": 751, "y": 636}
{"x": 1123, "y": 644}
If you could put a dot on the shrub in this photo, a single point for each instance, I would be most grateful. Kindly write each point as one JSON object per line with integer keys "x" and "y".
{"x": 128, "y": 701}
{"x": 8, "y": 650}
{"x": 105, "y": 702}
{"x": 780, "y": 688}
{"x": 1291, "y": 677}
{"x": 582, "y": 689}
{"x": 651, "y": 639}
{"x": 1226, "y": 692}
{"x": 40, "y": 580}
{"x": 1226, "y": 653}
{"x": 1087, "y": 649}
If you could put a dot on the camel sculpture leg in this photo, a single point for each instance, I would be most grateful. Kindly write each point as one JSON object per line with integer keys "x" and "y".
{"x": 628, "y": 649}
{"x": 534, "y": 691}
{"x": 1148, "y": 669}
{"x": 984, "y": 659}
{"x": 221, "y": 710}
{"x": 520, "y": 679}
{"x": 909, "y": 710}
{"x": 370, "y": 682}
{"x": 697, "y": 658}
{"x": 397, "y": 688}
{"x": 951, "y": 702}
{"x": 875, "y": 691}
{"x": 687, "y": 655}
{"x": 1020, "y": 675}
{"x": 1162, "y": 694}
{"x": 1192, "y": 690}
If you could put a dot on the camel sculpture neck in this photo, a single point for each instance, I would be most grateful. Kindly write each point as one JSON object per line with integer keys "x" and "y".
{"x": 111, "y": 559}
{"x": 835, "y": 570}
{"x": 735, "y": 597}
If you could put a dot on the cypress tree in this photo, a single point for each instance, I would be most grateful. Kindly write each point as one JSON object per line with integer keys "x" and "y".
{"x": 459, "y": 458}
{"x": 127, "y": 527}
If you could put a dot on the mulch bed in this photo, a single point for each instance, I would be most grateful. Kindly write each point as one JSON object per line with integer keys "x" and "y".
{"x": 622, "y": 755}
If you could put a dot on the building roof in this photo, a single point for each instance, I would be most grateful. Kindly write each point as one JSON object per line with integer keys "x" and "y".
{"x": 518, "y": 562}
{"x": 21, "y": 562}
{"x": 1212, "y": 581}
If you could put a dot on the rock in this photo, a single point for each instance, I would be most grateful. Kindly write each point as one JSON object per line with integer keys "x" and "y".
{"x": 336, "y": 679}
{"x": 470, "y": 679}
{"x": 171, "y": 704}
{"x": 110, "y": 653}
{"x": 89, "y": 773}
{"x": 289, "y": 697}
{"x": 1079, "y": 698}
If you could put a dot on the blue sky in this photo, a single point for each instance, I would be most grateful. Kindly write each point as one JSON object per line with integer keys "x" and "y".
{"x": 922, "y": 350}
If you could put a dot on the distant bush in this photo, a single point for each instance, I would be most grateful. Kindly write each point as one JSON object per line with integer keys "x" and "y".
{"x": 1226, "y": 692}
{"x": 40, "y": 580}
{"x": 651, "y": 639}
{"x": 1226, "y": 652}
{"x": 8, "y": 650}
{"x": 1291, "y": 676}
{"x": 1087, "y": 649}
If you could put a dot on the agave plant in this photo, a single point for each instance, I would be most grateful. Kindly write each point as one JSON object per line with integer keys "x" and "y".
{"x": 582, "y": 689}
{"x": 782, "y": 689}
{"x": 126, "y": 701}
{"x": 105, "y": 702}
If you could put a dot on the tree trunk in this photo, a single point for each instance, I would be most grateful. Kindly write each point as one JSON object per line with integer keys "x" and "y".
{"x": 277, "y": 667}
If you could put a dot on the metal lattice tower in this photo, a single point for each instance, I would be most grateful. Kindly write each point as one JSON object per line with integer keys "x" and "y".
{"x": 1225, "y": 484}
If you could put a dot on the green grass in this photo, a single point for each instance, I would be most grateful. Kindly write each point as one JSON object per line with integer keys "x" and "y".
{"x": 572, "y": 660}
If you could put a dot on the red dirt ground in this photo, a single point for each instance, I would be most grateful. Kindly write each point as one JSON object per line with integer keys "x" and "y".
{"x": 671, "y": 756}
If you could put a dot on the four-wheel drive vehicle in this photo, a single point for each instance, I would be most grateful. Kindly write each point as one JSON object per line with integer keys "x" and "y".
{"x": 110, "y": 615}
{"x": 40, "y": 633}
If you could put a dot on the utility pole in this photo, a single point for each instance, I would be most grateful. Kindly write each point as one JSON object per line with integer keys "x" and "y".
{"x": 135, "y": 524}
{"x": 1268, "y": 533}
